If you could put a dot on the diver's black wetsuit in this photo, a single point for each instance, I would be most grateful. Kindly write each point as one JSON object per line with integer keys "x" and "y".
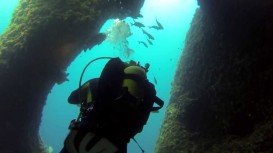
{"x": 113, "y": 114}
{"x": 93, "y": 118}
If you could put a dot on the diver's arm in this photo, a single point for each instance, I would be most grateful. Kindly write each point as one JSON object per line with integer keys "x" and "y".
{"x": 74, "y": 97}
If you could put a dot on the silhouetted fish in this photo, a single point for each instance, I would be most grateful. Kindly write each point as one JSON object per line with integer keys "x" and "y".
{"x": 141, "y": 42}
{"x": 150, "y": 42}
{"x": 159, "y": 24}
{"x": 140, "y": 16}
{"x": 138, "y": 24}
{"x": 137, "y": 16}
{"x": 95, "y": 40}
{"x": 149, "y": 35}
{"x": 154, "y": 27}
{"x": 155, "y": 80}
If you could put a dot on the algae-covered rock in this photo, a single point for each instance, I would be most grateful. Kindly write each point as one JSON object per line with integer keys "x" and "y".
{"x": 43, "y": 38}
{"x": 222, "y": 97}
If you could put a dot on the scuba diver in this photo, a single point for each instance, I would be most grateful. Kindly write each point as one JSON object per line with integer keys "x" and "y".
{"x": 113, "y": 108}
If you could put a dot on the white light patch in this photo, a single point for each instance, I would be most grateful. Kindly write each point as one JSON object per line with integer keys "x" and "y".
{"x": 163, "y": 8}
{"x": 170, "y": 4}
{"x": 166, "y": 3}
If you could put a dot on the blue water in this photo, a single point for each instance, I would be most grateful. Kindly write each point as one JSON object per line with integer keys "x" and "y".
{"x": 163, "y": 56}
{"x": 7, "y": 8}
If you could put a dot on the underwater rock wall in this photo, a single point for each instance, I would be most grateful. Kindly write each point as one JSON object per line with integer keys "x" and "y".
{"x": 41, "y": 41}
{"x": 222, "y": 96}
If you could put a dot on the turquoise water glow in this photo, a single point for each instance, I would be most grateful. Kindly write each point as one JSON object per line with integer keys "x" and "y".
{"x": 163, "y": 56}
{"x": 7, "y": 7}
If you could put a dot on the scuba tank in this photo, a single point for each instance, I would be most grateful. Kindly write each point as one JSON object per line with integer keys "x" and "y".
{"x": 131, "y": 84}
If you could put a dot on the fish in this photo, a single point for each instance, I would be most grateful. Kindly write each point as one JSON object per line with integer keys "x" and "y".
{"x": 159, "y": 24}
{"x": 96, "y": 39}
{"x": 61, "y": 77}
{"x": 139, "y": 16}
{"x": 154, "y": 27}
{"x": 141, "y": 42}
{"x": 138, "y": 24}
{"x": 150, "y": 42}
{"x": 149, "y": 35}
{"x": 155, "y": 80}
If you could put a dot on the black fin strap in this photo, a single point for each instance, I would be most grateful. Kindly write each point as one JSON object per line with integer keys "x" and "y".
{"x": 159, "y": 102}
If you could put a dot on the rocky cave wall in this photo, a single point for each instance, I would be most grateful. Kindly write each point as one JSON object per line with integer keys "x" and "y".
{"x": 222, "y": 96}
{"x": 41, "y": 41}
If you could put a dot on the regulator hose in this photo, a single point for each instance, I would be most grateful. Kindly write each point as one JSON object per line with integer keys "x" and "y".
{"x": 99, "y": 58}
{"x": 80, "y": 84}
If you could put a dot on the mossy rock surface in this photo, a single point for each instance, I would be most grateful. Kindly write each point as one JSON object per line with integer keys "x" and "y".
{"x": 43, "y": 38}
{"x": 222, "y": 93}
